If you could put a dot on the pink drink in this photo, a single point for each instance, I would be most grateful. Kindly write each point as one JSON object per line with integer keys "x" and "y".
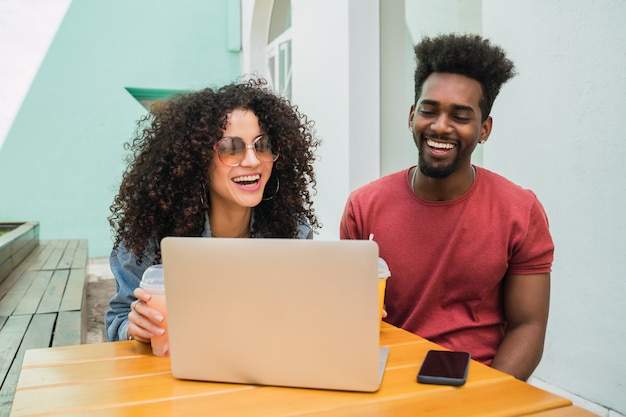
{"x": 153, "y": 282}
{"x": 160, "y": 344}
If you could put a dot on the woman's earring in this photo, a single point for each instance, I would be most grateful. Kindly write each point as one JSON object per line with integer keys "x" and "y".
{"x": 203, "y": 196}
{"x": 275, "y": 191}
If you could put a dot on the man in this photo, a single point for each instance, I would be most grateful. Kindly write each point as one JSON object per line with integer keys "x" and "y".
{"x": 470, "y": 253}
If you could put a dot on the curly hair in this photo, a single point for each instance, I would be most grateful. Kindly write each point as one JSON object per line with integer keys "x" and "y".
{"x": 468, "y": 55}
{"x": 162, "y": 190}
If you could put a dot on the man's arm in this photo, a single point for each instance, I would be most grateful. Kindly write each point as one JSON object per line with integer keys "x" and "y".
{"x": 526, "y": 305}
{"x": 348, "y": 227}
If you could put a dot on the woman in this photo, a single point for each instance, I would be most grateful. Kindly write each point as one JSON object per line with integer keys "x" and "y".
{"x": 235, "y": 162}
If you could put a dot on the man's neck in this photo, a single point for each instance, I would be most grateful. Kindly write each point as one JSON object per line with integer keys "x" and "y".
{"x": 442, "y": 189}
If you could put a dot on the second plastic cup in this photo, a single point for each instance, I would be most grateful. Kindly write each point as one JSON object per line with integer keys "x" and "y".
{"x": 383, "y": 274}
{"x": 153, "y": 282}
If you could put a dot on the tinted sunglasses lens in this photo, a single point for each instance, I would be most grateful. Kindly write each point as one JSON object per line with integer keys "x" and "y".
{"x": 231, "y": 150}
{"x": 264, "y": 151}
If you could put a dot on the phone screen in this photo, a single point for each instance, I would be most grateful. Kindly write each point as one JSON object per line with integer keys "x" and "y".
{"x": 444, "y": 367}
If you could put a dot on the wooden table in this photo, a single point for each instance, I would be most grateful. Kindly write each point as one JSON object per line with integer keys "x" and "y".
{"x": 124, "y": 378}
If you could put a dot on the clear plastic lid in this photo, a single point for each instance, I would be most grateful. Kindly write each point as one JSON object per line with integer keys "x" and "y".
{"x": 152, "y": 279}
{"x": 383, "y": 269}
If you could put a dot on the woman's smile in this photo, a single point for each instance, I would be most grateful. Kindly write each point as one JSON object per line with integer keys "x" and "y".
{"x": 248, "y": 182}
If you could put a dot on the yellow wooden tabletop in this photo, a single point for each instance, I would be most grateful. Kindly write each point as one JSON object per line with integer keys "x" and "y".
{"x": 124, "y": 378}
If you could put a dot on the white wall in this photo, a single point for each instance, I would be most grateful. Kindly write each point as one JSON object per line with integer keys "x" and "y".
{"x": 255, "y": 20}
{"x": 336, "y": 83}
{"x": 558, "y": 130}
{"x": 397, "y": 62}
{"x": 26, "y": 30}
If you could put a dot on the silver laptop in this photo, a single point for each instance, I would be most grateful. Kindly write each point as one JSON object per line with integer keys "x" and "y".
{"x": 285, "y": 312}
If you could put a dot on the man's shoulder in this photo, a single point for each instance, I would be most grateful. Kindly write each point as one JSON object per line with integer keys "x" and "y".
{"x": 504, "y": 186}
{"x": 504, "y": 195}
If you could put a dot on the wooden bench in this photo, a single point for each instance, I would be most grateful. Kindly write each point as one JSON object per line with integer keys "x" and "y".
{"x": 42, "y": 304}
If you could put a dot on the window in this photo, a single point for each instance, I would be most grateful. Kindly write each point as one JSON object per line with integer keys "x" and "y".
{"x": 279, "y": 48}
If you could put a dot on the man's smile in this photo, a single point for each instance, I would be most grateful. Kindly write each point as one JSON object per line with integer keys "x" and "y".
{"x": 440, "y": 145}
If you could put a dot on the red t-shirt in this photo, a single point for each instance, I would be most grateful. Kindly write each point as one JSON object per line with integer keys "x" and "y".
{"x": 448, "y": 258}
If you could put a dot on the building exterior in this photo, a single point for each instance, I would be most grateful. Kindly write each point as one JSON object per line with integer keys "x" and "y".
{"x": 62, "y": 155}
{"x": 348, "y": 65}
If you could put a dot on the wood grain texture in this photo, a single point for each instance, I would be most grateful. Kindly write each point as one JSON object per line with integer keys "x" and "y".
{"x": 124, "y": 378}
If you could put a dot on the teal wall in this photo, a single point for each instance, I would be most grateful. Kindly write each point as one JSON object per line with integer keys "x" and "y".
{"x": 63, "y": 157}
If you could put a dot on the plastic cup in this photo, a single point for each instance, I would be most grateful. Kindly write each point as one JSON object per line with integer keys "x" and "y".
{"x": 383, "y": 274}
{"x": 152, "y": 281}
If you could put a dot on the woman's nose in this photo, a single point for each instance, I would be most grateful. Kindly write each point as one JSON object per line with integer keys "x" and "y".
{"x": 249, "y": 157}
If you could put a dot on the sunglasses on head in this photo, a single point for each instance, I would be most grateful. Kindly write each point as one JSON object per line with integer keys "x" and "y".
{"x": 232, "y": 150}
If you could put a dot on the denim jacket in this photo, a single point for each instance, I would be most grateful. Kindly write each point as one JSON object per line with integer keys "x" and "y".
{"x": 128, "y": 275}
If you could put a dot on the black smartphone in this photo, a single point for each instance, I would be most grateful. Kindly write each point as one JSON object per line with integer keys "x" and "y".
{"x": 444, "y": 368}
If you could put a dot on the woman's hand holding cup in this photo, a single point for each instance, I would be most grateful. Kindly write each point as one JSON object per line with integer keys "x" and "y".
{"x": 147, "y": 320}
{"x": 144, "y": 322}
